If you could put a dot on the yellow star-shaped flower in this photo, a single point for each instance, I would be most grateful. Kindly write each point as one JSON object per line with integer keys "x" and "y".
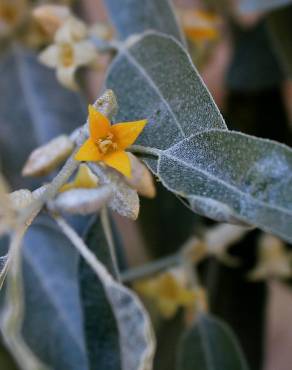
{"x": 107, "y": 143}
{"x": 84, "y": 179}
{"x": 200, "y": 25}
{"x": 168, "y": 293}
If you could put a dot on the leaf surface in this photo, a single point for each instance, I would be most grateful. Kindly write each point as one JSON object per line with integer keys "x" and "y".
{"x": 135, "y": 16}
{"x": 229, "y": 176}
{"x": 53, "y": 317}
{"x": 118, "y": 330}
{"x": 34, "y": 108}
{"x": 155, "y": 79}
{"x": 100, "y": 325}
{"x": 210, "y": 345}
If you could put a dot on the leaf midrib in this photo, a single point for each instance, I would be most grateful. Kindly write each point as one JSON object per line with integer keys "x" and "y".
{"x": 146, "y": 76}
{"x": 220, "y": 181}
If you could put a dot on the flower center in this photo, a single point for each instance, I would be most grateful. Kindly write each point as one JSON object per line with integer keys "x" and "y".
{"x": 107, "y": 144}
{"x": 67, "y": 55}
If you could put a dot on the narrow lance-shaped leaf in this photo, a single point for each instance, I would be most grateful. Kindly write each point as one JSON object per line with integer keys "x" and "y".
{"x": 136, "y": 345}
{"x": 155, "y": 79}
{"x": 135, "y": 16}
{"x": 230, "y": 176}
{"x": 249, "y": 6}
{"x": 210, "y": 345}
{"x": 100, "y": 325}
{"x": 34, "y": 108}
{"x": 53, "y": 319}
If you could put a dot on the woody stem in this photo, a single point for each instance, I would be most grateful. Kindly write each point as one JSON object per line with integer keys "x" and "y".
{"x": 151, "y": 268}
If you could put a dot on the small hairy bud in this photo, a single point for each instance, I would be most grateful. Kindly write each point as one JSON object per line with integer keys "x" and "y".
{"x": 142, "y": 179}
{"x": 125, "y": 200}
{"x": 47, "y": 157}
{"x": 51, "y": 17}
{"x": 81, "y": 201}
{"x": 274, "y": 260}
{"x": 20, "y": 198}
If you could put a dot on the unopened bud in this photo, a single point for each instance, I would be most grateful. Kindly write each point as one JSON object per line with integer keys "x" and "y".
{"x": 142, "y": 179}
{"x": 82, "y": 201}
{"x": 20, "y": 198}
{"x": 51, "y": 17}
{"x": 47, "y": 157}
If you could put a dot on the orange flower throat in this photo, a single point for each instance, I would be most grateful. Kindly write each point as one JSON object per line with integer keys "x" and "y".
{"x": 106, "y": 145}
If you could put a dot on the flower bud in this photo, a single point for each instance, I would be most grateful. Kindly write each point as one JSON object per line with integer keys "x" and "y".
{"x": 51, "y": 17}
{"x": 142, "y": 179}
{"x": 47, "y": 157}
{"x": 81, "y": 201}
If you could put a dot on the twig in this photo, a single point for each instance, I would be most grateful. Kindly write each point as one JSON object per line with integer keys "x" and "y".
{"x": 82, "y": 248}
{"x": 105, "y": 222}
{"x": 151, "y": 268}
{"x": 215, "y": 242}
{"x": 12, "y": 316}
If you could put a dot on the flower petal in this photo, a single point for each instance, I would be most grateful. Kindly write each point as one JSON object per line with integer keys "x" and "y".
{"x": 198, "y": 34}
{"x": 66, "y": 76}
{"x": 126, "y": 133}
{"x": 72, "y": 30}
{"x": 84, "y": 179}
{"x": 88, "y": 152}
{"x": 99, "y": 125}
{"x": 84, "y": 53}
{"x": 50, "y": 56}
{"x": 120, "y": 161}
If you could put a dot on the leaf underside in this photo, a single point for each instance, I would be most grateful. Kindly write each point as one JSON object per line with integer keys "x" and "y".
{"x": 210, "y": 345}
{"x": 29, "y": 118}
{"x": 155, "y": 79}
{"x": 228, "y": 176}
{"x": 131, "y": 17}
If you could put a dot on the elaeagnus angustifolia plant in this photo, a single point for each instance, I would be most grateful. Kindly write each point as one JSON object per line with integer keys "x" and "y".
{"x": 83, "y": 287}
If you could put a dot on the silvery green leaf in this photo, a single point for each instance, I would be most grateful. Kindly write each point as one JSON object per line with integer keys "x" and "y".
{"x": 136, "y": 344}
{"x": 3, "y": 260}
{"x": 231, "y": 176}
{"x": 34, "y": 108}
{"x": 135, "y": 16}
{"x": 155, "y": 79}
{"x": 116, "y": 325}
{"x": 249, "y": 6}
{"x": 100, "y": 325}
{"x": 53, "y": 318}
{"x": 137, "y": 348}
{"x": 280, "y": 27}
{"x": 124, "y": 200}
{"x": 82, "y": 201}
{"x": 210, "y": 345}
